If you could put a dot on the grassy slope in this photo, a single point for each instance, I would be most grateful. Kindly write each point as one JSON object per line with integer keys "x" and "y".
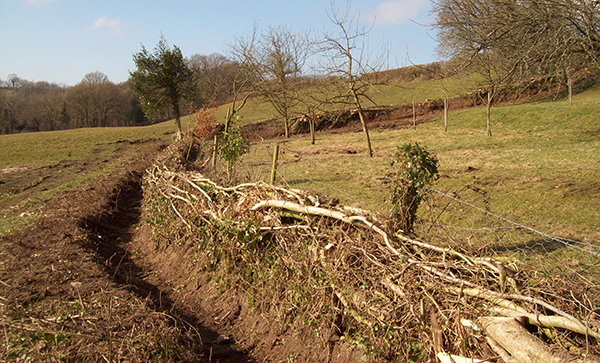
{"x": 392, "y": 94}
{"x": 541, "y": 168}
{"x": 46, "y": 148}
{"x": 62, "y": 160}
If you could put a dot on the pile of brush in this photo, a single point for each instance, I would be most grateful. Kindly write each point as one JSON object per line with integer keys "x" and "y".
{"x": 340, "y": 273}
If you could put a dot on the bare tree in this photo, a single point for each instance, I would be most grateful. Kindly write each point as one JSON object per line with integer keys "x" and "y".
{"x": 348, "y": 64}
{"x": 52, "y": 105}
{"x": 510, "y": 43}
{"x": 215, "y": 74}
{"x": 8, "y": 118}
{"x": 282, "y": 56}
{"x": 96, "y": 101}
{"x": 15, "y": 82}
{"x": 581, "y": 21}
{"x": 479, "y": 33}
{"x": 105, "y": 98}
{"x": 243, "y": 51}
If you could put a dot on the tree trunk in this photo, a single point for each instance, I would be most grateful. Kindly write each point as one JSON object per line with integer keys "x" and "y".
{"x": 286, "y": 122}
{"x": 311, "y": 123}
{"x": 363, "y": 123}
{"x": 570, "y": 92}
{"x": 177, "y": 118}
{"x": 228, "y": 120}
{"x": 490, "y": 96}
{"x": 446, "y": 114}
{"x": 523, "y": 346}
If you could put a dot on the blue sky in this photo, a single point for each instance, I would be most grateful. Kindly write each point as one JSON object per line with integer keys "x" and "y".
{"x": 62, "y": 40}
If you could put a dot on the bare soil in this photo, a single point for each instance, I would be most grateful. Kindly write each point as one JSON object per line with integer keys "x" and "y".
{"x": 76, "y": 286}
{"x": 86, "y": 283}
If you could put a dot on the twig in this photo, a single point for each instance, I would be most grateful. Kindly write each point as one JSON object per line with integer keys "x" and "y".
{"x": 178, "y": 214}
{"x": 281, "y": 228}
{"x": 488, "y": 295}
{"x": 302, "y": 209}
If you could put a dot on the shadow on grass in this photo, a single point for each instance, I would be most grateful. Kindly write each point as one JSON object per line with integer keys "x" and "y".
{"x": 298, "y": 181}
{"x": 537, "y": 245}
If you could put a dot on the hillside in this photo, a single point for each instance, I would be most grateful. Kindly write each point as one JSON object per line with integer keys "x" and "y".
{"x": 82, "y": 268}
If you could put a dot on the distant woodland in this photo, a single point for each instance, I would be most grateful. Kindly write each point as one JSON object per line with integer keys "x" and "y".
{"x": 96, "y": 101}
{"x": 509, "y": 44}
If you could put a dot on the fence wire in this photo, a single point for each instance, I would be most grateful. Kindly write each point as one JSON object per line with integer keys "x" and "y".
{"x": 457, "y": 219}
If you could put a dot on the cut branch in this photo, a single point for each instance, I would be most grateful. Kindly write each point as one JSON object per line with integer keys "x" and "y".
{"x": 523, "y": 346}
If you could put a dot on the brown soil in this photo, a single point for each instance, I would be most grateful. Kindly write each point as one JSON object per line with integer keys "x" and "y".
{"x": 86, "y": 283}
{"x": 74, "y": 286}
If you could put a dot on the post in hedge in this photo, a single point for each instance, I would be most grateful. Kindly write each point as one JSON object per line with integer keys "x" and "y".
{"x": 274, "y": 167}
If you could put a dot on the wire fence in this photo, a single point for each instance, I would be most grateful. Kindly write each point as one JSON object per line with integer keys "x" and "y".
{"x": 457, "y": 219}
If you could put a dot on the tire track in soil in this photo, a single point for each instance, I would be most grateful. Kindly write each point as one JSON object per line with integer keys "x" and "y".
{"x": 111, "y": 237}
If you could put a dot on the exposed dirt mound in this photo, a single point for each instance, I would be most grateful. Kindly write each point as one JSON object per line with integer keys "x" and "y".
{"x": 88, "y": 283}
{"x": 71, "y": 289}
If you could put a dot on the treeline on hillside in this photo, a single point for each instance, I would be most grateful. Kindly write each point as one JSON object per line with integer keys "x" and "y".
{"x": 511, "y": 45}
{"x": 42, "y": 106}
{"x": 97, "y": 102}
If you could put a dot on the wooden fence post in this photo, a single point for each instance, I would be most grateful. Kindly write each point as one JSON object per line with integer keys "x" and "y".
{"x": 274, "y": 167}
{"x": 446, "y": 114}
{"x": 414, "y": 116}
{"x": 214, "y": 152}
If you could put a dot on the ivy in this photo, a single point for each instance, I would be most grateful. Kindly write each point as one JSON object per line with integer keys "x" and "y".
{"x": 412, "y": 170}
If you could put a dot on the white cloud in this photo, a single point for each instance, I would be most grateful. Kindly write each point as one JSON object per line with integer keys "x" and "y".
{"x": 114, "y": 26}
{"x": 397, "y": 11}
{"x": 39, "y": 2}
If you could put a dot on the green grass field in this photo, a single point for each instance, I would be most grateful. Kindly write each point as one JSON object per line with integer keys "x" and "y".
{"x": 541, "y": 167}
{"x": 52, "y": 162}
{"x": 46, "y": 148}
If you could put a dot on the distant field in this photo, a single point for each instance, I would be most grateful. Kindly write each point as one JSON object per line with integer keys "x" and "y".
{"x": 37, "y": 166}
{"x": 541, "y": 168}
{"x": 45, "y": 148}
{"x": 393, "y": 93}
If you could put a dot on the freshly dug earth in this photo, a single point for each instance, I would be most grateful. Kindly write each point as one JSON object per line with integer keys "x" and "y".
{"x": 71, "y": 290}
{"x": 86, "y": 283}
